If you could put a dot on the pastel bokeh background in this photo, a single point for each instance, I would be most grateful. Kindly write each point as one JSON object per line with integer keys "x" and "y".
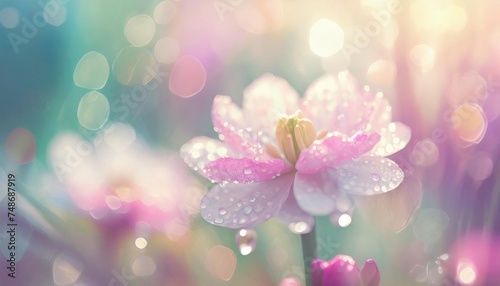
{"x": 99, "y": 96}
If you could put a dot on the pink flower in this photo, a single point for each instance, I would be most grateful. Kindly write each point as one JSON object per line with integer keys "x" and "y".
{"x": 294, "y": 159}
{"x": 118, "y": 175}
{"x": 342, "y": 270}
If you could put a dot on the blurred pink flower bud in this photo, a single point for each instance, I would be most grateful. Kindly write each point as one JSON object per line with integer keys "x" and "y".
{"x": 342, "y": 270}
{"x": 289, "y": 282}
{"x": 370, "y": 275}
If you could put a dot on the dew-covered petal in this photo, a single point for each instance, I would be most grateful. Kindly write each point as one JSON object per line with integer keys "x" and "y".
{"x": 369, "y": 175}
{"x": 198, "y": 151}
{"x": 298, "y": 220}
{"x": 334, "y": 150}
{"x": 393, "y": 137}
{"x": 338, "y": 103}
{"x": 318, "y": 194}
{"x": 245, "y": 205}
{"x": 244, "y": 170}
{"x": 266, "y": 100}
{"x": 228, "y": 122}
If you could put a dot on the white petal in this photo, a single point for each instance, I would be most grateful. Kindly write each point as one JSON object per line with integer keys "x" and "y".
{"x": 245, "y": 205}
{"x": 229, "y": 123}
{"x": 318, "y": 193}
{"x": 298, "y": 220}
{"x": 266, "y": 100}
{"x": 393, "y": 137}
{"x": 338, "y": 103}
{"x": 369, "y": 175}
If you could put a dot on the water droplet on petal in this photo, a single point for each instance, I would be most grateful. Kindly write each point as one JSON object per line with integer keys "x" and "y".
{"x": 247, "y": 209}
{"x": 247, "y": 171}
{"x": 218, "y": 220}
{"x": 222, "y": 211}
{"x": 375, "y": 177}
{"x": 258, "y": 208}
{"x": 242, "y": 220}
{"x": 246, "y": 240}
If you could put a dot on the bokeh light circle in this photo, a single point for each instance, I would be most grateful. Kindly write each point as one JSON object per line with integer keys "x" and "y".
{"x": 326, "y": 38}
{"x": 140, "y": 30}
{"x": 141, "y": 242}
{"x": 9, "y": 17}
{"x": 258, "y": 16}
{"x": 20, "y": 146}
{"x": 164, "y": 12}
{"x": 134, "y": 66}
{"x": 188, "y": 77}
{"x": 66, "y": 269}
{"x": 143, "y": 266}
{"x": 93, "y": 110}
{"x": 480, "y": 166}
{"x": 221, "y": 262}
{"x": 54, "y": 13}
{"x": 425, "y": 153}
{"x": 92, "y": 71}
{"x": 166, "y": 50}
{"x": 381, "y": 72}
{"x": 469, "y": 122}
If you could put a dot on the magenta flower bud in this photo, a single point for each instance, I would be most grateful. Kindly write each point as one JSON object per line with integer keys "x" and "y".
{"x": 342, "y": 270}
{"x": 317, "y": 268}
{"x": 370, "y": 275}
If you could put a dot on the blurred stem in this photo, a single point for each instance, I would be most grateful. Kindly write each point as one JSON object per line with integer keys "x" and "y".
{"x": 309, "y": 251}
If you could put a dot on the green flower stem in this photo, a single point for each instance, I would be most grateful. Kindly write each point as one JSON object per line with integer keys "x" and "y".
{"x": 309, "y": 252}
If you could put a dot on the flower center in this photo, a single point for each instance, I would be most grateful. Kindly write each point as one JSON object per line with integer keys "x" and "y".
{"x": 294, "y": 133}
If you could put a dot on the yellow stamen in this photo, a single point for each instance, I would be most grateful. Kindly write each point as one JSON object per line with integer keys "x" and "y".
{"x": 321, "y": 134}
{"x": 300, "y": 137}
{"x": 294, "y": 134}
{"x": 273, "y": 151}
{"x": 289, "y": 149}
